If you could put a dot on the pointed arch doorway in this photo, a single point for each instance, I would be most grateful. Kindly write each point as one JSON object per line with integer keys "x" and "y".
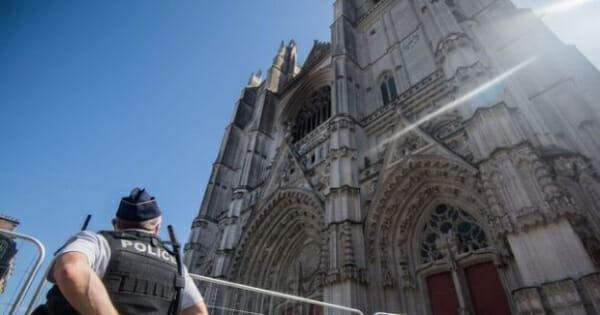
{"x": 460, "y": 280}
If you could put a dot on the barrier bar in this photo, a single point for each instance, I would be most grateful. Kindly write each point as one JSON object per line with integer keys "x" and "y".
{"x": 41, "y": 254}
{"x": 274, "y": 293}
{"x": 38, "y": 291}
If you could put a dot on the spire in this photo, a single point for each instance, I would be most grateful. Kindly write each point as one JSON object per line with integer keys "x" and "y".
{"x": 281, "y": 51}
{"x": 292, "y": 56}
{"x": 284, "y": 66}
{"x": 255, "y": 79}
{"x": 279, "y": 58}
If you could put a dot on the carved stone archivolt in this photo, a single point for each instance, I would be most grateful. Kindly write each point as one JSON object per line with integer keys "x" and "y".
{"x": 415, "y": 185}
{"x": 410, "y": 143}
{"x": 443, "y": 125}
{"x": 284, "y": 244}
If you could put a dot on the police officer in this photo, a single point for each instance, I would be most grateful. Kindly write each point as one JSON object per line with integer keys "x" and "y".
{"x": 125, "y": 271}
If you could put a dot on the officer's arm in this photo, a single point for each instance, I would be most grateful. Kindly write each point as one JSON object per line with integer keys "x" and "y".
{"x": 81, "y": 286}
{"x": 196, "y": 309}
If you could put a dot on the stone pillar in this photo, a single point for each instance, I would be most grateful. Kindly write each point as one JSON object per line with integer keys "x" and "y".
{"x": 345, "y": 281}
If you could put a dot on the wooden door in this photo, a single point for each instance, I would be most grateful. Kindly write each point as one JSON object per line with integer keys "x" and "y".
{"x": 442, "y": 294}
{"x": 486, "y": 291}
{"x": 316, "y": 310}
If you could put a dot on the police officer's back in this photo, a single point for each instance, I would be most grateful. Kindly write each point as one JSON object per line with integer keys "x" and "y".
{"x": 125, "y": 271}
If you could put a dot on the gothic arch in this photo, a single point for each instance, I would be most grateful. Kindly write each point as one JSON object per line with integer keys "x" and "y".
{"x": 388, "y": 87}
{"x": 314, "y": 111}
{"x": 292, "y": 104}
{"x": 418, "y": 183}
{"x": 403, "y": 204}
{"x": 289, "y": 226}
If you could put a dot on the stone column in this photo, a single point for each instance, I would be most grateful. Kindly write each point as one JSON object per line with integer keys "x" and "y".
{"x": 345, "y": 281}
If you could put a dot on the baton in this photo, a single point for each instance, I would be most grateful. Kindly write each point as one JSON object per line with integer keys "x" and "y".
{"x": 86, "y": 222}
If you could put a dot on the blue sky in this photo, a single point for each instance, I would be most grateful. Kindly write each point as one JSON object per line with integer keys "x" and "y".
{"x": 99, "y": 96}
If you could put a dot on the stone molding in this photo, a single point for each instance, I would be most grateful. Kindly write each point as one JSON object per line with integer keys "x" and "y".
{"x": 451, "y": 42}
{"x": 300, "y": 208}
{"x": 346, "y": 273}
{"x": 555, "y": 203}
{"x": 528, "y": 301}
{"x": 590, "y": 286}
{"x": 393, "y": 218}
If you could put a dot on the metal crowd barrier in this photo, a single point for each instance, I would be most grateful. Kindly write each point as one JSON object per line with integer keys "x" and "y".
{"x": 268, "y": 293}
{"x": 33, "y": 302}
{"x": 226, "y": 309}
{"x": 30, "y": 274}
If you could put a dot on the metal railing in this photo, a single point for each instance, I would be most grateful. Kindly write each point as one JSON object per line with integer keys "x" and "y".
{"x": 274, "y": 294}
{"x": 38, "y": 290}
{"x": 33, "y": 302}
{"x": 41, "y": 253}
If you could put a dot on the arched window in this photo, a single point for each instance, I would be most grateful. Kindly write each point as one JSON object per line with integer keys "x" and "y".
{"x": 315, "y": 111}
{"x": 388, "y": 88}
{"x": 445, "y": 219}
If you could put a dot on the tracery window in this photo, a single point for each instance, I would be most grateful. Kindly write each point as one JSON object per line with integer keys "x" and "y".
{"x": 388, "y": 88}
{"x": 315, "y": 111}
{"x": 448, "y": 219}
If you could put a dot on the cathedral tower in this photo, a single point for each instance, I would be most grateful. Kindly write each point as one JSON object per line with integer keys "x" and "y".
{"x": 437, "y": 157}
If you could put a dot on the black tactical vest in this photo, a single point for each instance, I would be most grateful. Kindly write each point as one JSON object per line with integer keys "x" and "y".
{"x": 141, "y": 277}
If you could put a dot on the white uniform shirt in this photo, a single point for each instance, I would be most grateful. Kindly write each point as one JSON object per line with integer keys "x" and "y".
{"x": 95, "y": 247}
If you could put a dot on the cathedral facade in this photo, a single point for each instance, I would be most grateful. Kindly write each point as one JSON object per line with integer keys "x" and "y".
{"x": 437, "y": 157}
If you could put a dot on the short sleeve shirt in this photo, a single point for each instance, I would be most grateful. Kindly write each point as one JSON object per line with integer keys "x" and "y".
{"x": 95, "y": 247}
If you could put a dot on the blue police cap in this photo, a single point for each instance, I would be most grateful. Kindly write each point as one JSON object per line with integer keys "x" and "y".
{"x": 138, "y": 206}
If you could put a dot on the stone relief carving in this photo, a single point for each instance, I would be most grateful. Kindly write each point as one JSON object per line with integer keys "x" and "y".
{"x": 409, "y": 144}
{"x": 406, "y": 279}
{"x": 302, "y": 275}
{"x": 370, "y": 188}
{"x": 288, "y": 128}
{"x": 563, "y": 295}
{"x": 528, "y": 301}
{"x": 572, "y": 166}
{"x": 460, "y": 146}
{"x": 289, "y": 172}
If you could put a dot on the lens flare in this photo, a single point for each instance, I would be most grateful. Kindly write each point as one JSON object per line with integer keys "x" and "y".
{"x": 461, "y": 100}
{"x": 560, "y": 6}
